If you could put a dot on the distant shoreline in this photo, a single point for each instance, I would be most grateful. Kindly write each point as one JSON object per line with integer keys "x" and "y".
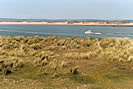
{"x": 66, "y": 23}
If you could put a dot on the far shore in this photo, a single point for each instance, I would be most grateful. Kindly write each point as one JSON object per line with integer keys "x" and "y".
{"x": 67, "y": 23}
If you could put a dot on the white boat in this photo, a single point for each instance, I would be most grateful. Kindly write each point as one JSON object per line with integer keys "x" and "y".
{"x": 89, "y": 32}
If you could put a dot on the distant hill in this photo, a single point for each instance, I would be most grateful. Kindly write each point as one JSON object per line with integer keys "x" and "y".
{"x": 12, "y": 19}
{"x": 59, "y": 20}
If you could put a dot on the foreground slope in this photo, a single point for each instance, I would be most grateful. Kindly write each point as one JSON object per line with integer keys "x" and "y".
{"x": 65, "y": 63}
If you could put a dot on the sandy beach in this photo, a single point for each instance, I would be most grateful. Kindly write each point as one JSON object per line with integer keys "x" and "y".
{"x": 64, "y": 23}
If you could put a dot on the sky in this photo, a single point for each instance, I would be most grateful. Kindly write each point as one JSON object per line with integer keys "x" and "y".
{"x": 67, "y": 9}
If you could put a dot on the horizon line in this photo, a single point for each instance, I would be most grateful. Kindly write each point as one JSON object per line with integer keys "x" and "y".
{"x": 65, "y": 18}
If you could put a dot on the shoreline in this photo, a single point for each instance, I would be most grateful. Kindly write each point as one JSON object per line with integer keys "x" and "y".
{"x": 66, "y": 23}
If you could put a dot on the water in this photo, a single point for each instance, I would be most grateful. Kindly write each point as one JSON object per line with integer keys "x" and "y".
{"x": 65, "y": 31}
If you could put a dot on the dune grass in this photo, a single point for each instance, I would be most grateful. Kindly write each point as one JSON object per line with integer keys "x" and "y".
{"x": 65, "y": 63}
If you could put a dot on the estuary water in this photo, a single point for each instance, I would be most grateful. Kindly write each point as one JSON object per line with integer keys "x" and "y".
{"x": 65, "y": 31}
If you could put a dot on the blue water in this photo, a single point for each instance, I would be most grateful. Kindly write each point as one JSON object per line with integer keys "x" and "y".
{"x": 65, "y": 31}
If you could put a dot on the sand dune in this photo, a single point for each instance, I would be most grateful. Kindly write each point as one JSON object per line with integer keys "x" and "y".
{"x": 64, "y": 23}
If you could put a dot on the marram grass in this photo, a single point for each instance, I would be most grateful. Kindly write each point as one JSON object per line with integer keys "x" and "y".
{"x": 65, "y": 63}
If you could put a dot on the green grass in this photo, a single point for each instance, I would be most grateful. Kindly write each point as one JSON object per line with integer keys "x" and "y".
{"x": 82, "y": 79}
{"x": 115, "y": 79}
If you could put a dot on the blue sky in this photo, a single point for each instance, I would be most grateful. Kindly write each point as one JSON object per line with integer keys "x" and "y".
{"x": 67, "y": 9}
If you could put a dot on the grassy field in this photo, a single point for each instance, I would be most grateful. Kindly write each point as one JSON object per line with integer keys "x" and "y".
{"x": 65, "y": 63}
